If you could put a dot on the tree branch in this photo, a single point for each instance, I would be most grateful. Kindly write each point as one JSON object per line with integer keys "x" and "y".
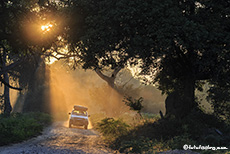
{"x": 62, "y": 55}
{"x": 116, "y": 70}
{"x": 104, "y": 77}
{"x": 8, "y": 85}
{"x": 11, "y": 66}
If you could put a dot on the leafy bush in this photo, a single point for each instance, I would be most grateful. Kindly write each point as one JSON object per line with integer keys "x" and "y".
{"x": 137, "y": 146}
{"x": 151, "y": 116}
{"x": 151, "y": 136}
{"x": 178, "y": 142}
{"x": 135, "y": 104}
{"x": 141, "y": 145}
{"x": 19, "y": 127}
{"x": 111, "y": 127}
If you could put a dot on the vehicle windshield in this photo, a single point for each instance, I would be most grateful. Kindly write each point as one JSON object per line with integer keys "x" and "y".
{"x": 77, "y": 112}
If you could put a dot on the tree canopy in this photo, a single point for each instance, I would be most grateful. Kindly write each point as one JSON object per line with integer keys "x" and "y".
{"x": 185, "y": 42}
{"x": 181, "y": 43}
{"x": 22, "y": 39}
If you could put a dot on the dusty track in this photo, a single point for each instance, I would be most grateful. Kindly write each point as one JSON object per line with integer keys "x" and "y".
{"x": 59, "y": 139}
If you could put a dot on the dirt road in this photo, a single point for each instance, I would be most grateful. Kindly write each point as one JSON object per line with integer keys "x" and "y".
{"x": 59, "y": 139}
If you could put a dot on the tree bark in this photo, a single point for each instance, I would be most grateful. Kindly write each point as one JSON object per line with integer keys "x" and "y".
{"x": 7, "y": 105}
{"x": 182, "y": 101}
{"x": 109, "y": 79}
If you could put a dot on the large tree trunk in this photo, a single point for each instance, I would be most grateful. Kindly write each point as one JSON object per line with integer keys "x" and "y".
{"x": 7, "y": 105}
{"x": 182, "y": 101}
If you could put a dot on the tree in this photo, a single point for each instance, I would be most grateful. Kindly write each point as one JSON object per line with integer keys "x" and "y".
{"x": 134, "y": 104}
{"x": 20, "y": 36}
{"x": 184, "y": 41}
{"x": 109, "y": 79}
{"x": 8, "y": 42}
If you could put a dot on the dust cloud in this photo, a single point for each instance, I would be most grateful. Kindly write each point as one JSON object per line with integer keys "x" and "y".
{"x": 56, "y": 89}
{"x": 80, "y": 87}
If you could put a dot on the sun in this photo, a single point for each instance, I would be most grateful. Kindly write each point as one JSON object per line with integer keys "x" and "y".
{"x": 46, "y": 28}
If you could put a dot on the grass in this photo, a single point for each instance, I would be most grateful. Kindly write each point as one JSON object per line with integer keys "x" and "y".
{"x": 152, "y": 134}
{"x": 112, "y": 127}
{"x": 19, "y": 127}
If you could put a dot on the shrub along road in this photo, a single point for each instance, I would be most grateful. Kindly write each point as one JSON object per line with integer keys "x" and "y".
{"x": 59, "y": 139}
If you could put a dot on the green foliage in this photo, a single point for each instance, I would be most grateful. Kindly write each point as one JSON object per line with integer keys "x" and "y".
{"x": 219, "y": 97}
{"x": 177, "y": 142}
{"x": 178, "y": 42}
{"x": 147, "y": 116}
{"x": 112, "y": 127}
{"x": 134, "y": 104}
{"x": 19, "y": 127}
{"x": 22, "y": 40}
{"x": 171, "y": 133}
{"x": 137, "y": 146}
{"x": 41, "y": 118}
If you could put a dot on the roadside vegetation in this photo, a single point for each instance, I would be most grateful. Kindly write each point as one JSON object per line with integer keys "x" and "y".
{"x": 22, "y": 126}
{"x": 152, "y": 134}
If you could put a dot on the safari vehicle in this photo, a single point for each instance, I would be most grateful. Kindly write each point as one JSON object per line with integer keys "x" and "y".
{"x": 79, "y": 116}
